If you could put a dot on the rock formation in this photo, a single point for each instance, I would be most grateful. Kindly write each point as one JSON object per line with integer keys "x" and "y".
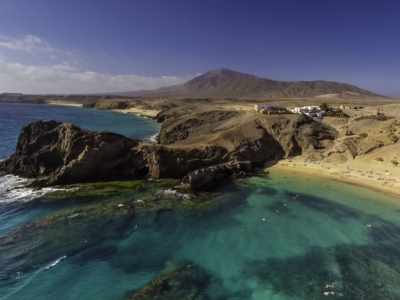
{"x": 66, "y": 153}
{"x": 180, "y": 280}
{"x": 202, "y": 147}
{"x": 107, "y": 105}
{"x": 245, "y": 135}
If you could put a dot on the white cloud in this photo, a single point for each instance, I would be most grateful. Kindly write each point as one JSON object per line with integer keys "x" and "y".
{"x": 65, "y": 78}
{"x": 57, "y": 72}
{"x": 27, "y": 43}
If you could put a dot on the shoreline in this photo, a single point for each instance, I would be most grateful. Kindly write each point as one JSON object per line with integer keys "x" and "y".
{"x": 65, "y": 104}
{"x": 354, "y": 174}
{"x": 369, "y": 175}
{"x": 147, "y": 113}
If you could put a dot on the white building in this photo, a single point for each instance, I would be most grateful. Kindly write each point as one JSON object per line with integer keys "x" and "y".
{"x": 311, "y": 111}
{"x": 298, "y": 110}
{"x": 314, "y": 114}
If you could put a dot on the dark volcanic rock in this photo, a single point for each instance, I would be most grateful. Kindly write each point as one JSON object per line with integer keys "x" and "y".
{"x": 66, "y": 153}
{"x": 247, "y": 136}
{"x": 209, "y": 147}
{"x": 378, "y": 117}
{"x": 257, "y": 151}
{"x": 180, "y": 280}
{"x": 298, "y": 134}
{"x": 211, "y": 176}
{"x": 89, "y": 105}
{"x": 164, "y": 162}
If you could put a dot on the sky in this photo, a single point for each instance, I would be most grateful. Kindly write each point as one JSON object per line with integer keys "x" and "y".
{"x": 100, "y": 46}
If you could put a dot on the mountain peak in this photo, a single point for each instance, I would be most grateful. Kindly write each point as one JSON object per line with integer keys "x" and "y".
{"x": 226, "y": 83}
{"x": 217, "y": 77}
{"x": 228, "y": 73}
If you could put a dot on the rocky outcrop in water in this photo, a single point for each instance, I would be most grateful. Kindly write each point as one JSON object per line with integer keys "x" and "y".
{"x": 210, "y": 176}
{"x": 65, "y": 153}
{"x": 202, "y": 147}
{"x": 62, "y": 153}
{"x": 165, "y": 162}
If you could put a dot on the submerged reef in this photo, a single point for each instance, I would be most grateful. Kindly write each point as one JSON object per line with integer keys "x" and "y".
{"x": 179, "y": 280}
{"x": 83, "y": 217}
{"x": 344, "y": 272}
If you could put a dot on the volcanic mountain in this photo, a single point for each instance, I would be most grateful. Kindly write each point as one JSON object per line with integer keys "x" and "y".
{"x": 224, "y": 83}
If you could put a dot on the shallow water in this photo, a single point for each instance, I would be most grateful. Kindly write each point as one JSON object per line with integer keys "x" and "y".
{"x": 300, "y": 248}
{"x": 261, "y": 237}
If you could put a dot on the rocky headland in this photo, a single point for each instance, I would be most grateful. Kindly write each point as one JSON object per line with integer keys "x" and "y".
{"x": 204, "y": 138}
{"x": 199, "y": 147}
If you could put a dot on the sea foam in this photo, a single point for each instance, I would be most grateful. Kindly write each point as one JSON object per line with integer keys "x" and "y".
{"x": 153, "y": 138}
{"x": 13, "y": 189}
{"x": 55, "y": 262}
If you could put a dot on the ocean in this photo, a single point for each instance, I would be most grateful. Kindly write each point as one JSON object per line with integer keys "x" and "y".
{"x": 265, "y": 236}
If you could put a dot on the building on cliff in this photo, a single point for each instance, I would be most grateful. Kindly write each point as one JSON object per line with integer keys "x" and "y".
{"x": 311, "y": 111}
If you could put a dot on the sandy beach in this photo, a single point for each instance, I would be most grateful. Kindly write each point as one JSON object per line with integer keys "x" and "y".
{"x": 149, "y": 113}
{"x": 65, "y": 103}
{"x": 370, "y": 176}
{"x": 365, "y": 170}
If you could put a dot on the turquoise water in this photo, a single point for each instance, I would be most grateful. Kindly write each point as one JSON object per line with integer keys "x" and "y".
{"x": 262, "y": 237}
{"x": 15, "y": 115}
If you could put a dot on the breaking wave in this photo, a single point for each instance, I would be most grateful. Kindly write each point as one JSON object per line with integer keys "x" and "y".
{"x": 55, "y": 262}
{"x": 152, "y": 138}
{"x": 14, "y": 189}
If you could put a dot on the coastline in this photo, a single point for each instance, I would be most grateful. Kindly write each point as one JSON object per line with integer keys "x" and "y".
{"x": 364, "y": 173}
{"x": 148, "y": 113}
{"x": 354, "y": 173}
{"x": 65, "y": 103}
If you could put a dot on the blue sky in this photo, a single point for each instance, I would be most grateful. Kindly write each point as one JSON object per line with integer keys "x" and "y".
{"x": 107, "y": 46}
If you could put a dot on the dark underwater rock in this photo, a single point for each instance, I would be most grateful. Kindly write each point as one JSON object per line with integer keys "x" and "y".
{"x": 179, "y": 280}
{"x": 211, "y": 176}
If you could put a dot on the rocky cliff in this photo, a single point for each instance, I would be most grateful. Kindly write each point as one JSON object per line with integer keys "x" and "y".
{"x": 246, "y": 135}
{"x": 199, "y": 147}
{"x": 65, "y": 153}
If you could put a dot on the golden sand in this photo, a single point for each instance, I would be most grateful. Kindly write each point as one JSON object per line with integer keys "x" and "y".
{"x": 149, "y": 113}
{"x": 143, "y": 112}
{"x": 370, "y": 176}
{"x": 65, "y": 103}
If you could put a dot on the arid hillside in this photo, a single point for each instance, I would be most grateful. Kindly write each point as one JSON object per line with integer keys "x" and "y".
{"x": 369, "y": 136}
{"x": 224, "y": 83}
